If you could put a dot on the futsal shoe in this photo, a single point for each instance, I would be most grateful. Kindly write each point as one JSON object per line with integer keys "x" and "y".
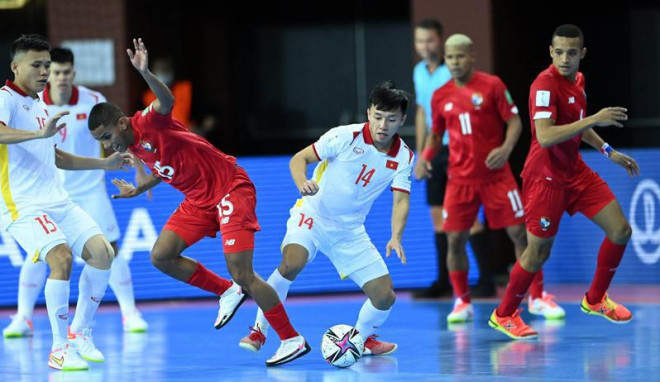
{"x": 66, "y": 358}
{"x": 134, "y": 323}
{"x": 513, "y": 326}
{"x": 20, "y": 326}
{"x": 374, "y": 347}
{"x": 229, "y": 303}
{"x": 253, "y": 341}
{"x": 84, "y": 344}
{"x": 608, "y": 309}
{"x": 289, "y": 350}
{"x": 546, "y": 307}
{"x": 462, "y": 312}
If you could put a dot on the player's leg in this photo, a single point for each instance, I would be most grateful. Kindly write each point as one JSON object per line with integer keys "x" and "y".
{"x": 597, "y": 202}
{"x": 30, "y": 283}
{"x": 435, "y": 194}
{"x": 480, "y": 243}
{"x": 376, "y": 283}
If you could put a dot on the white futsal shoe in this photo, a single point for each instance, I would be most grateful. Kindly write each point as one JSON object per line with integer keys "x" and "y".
{"x": 20, "y": 326}
{"x": 84, "y": 344}
{"x": 134, "y": 323}
{"x": 66, "y": 358}
{"x": 546, "y": 307}
{"x": 229, "y": 303}
{"x": 289, "y": 350}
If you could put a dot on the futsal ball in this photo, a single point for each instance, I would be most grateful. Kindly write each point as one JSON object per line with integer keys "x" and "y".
{"x": 342, "y": 345}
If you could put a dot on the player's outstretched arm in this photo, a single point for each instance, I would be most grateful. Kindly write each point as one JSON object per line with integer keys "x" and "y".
{"x": 128, "y": 190}
{"x": 68, "y": 161}
{"x": 9, "y": 135}
{"x": 423, "y": 167}
{"x": 298, "y": 167}
{"x": 548, "y": 134}
{"x": 140, "y": 61}
{"x": 500, "y": 155}
{"x": 400, "y": 210}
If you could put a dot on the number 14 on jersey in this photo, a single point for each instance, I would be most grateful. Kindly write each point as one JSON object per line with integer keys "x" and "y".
{"x": 365, "y": 176}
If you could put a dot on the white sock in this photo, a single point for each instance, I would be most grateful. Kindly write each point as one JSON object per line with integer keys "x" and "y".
{"x": 30, "y": 283}
{"x": 91, "y": 288}
{"x": 122, "y": 285}
{"x": 370, "y": 319}
{"x": 57, "y": 304}
{"x": 281, "y": 286}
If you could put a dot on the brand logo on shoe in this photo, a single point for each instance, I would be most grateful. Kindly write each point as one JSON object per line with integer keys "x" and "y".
{"x": 509, "y": 326}
{"x": 59, "y": 361}
{"x": 95, "y": 299}
{"x": 64, "y": 316}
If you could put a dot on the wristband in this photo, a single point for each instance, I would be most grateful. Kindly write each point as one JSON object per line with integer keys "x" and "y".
{"x": 429, "y": 153}
{"x": 606, "y": 149}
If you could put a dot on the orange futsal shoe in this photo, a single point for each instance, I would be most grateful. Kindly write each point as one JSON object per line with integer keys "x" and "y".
{"x": 513, "y": 326}
{"x": 608, "y": 309}
{"x": 374, "y": 347}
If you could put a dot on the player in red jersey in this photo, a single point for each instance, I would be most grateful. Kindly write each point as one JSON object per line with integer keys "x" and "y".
{"x": 219, "y": 197}
{"x": 555, "y": 179}
{"x": 474, "y": 108}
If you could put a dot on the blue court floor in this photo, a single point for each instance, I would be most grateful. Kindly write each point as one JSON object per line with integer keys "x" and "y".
{"x": 182, "y": 345}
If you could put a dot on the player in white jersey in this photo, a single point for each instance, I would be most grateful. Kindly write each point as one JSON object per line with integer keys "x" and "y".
{"x": 35, "y": 209}
{"x": 86, "y": 188}
{"x": 358, "y": 162}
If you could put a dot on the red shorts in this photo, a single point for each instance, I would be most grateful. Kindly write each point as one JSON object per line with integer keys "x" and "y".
{"x": 545, "y": 203}
{"x": 234, "y": 217}
{"x": 501, "y": 200}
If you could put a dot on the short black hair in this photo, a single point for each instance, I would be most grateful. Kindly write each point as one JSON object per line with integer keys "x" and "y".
{"x": 569, "y": 31}
{"x": 28, "y": 42}
{"x": 61, "y": 55}
{"x": 431, "y": 24}
{"x": 387, "y": 97}
{"x": 104, "y": 113}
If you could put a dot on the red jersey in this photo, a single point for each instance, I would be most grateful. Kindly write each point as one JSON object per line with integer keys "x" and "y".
{"x": 188, "y": 162}
{"x": 475, "y": 116}
{"x": 554, "y": 96}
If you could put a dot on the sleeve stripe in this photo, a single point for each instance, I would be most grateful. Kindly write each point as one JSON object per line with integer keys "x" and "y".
{"x": 400, "y": 190}
{"x": 316, "y": 152}
{"x": 543, "y": 114}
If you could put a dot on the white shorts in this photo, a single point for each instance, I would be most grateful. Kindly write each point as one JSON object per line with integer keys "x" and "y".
{"x": 349, "y": 250}
{"x": 41, "y": 230}
{"x": 97, "y": 204}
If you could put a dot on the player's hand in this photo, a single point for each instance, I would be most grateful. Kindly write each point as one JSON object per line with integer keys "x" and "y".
{"x": 626, "y": 162}
{"x": 611, "y": 116}
{"x": 395, "y": 244}
{"x": 52, "y": 127}
{"x": 117, "y": 161}
{"x": 497, "y": 157}
{"x": 139, "y": 58}
{"x": 308, "y": 188}
{"x": 423, "y": 169}
{"x": 126, "y": 189}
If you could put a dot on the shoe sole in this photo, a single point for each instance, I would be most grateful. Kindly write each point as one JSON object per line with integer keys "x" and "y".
{"x": 91, "y": 359}
{"x": 547, "y": 317}
{"x": 17, "y": 335}
{"x": 136, "y": 330}
{"x": 381, "y": 354}
{"x": 249, "y": 347}
{"x": 289, "y": 359}
{"x": 497, "y": 327}
{"x": 459, "y": 320}
{"x": 593, "y": 313}
{"x": 82, "y": 368}
{"x": 220, "y": 325}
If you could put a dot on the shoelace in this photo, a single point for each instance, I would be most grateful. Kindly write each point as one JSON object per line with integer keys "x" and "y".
{"x": 371, "y": 338}
{"x": 256, "y": 334}
{"x": 609, "y": 304}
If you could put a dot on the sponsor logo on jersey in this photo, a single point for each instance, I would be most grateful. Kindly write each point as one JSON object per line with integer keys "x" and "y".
{"x": 571, "y": 100}
{"x": 358, "y": 151}
{"x": 26, "y": 107}
{"x": 230, "y": 242}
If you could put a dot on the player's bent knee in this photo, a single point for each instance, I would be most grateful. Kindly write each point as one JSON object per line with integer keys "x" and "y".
{"x": 60, "y": 261}
{"x": 98, "y": 252}
{"x": 242, "y": 277}
{"x": 161, "y": 260}
{"x": 384, "y": 301}
{"x": 622, "y": 234}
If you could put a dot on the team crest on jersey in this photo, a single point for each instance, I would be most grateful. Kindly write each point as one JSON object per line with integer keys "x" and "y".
{"x": 358, "y": 151}
{"x": 545, "y": 223}
{"x": 147, "y": 146}
{"x": 477, "y": 100}
{"x": 449, "y": 106}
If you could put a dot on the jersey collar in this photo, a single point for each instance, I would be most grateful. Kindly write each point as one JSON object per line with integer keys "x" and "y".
{"x": 75, "y": 94}
{"x": 396, "y": 145}
{"x": 15, "y": 88}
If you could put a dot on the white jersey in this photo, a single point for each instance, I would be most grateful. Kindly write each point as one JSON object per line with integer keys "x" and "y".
{"x": 76, "y": 138}
{"x": 28, "y": 175}
{"x": 353, "y": 173}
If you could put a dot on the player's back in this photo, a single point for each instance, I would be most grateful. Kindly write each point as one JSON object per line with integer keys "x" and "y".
{"x": 76, "y": 138}
{"x": 555, "y": 97}
{"x": 28, "y": 175}
{"x": 475, "y": 116}
{"x": 353, "y": 173}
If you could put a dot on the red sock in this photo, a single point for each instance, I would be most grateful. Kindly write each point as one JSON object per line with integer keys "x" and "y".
{"x": 459, "y": 280}
{"x": 202, "y": 278}
{"x": 536, "y": 289}
{"x": 609, "y": 258}
{"x": 519, "y": 282}
{"x": 278, "y": 319}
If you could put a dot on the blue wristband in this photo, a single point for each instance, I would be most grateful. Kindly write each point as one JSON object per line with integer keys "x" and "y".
{"x": 606, "y": 149}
